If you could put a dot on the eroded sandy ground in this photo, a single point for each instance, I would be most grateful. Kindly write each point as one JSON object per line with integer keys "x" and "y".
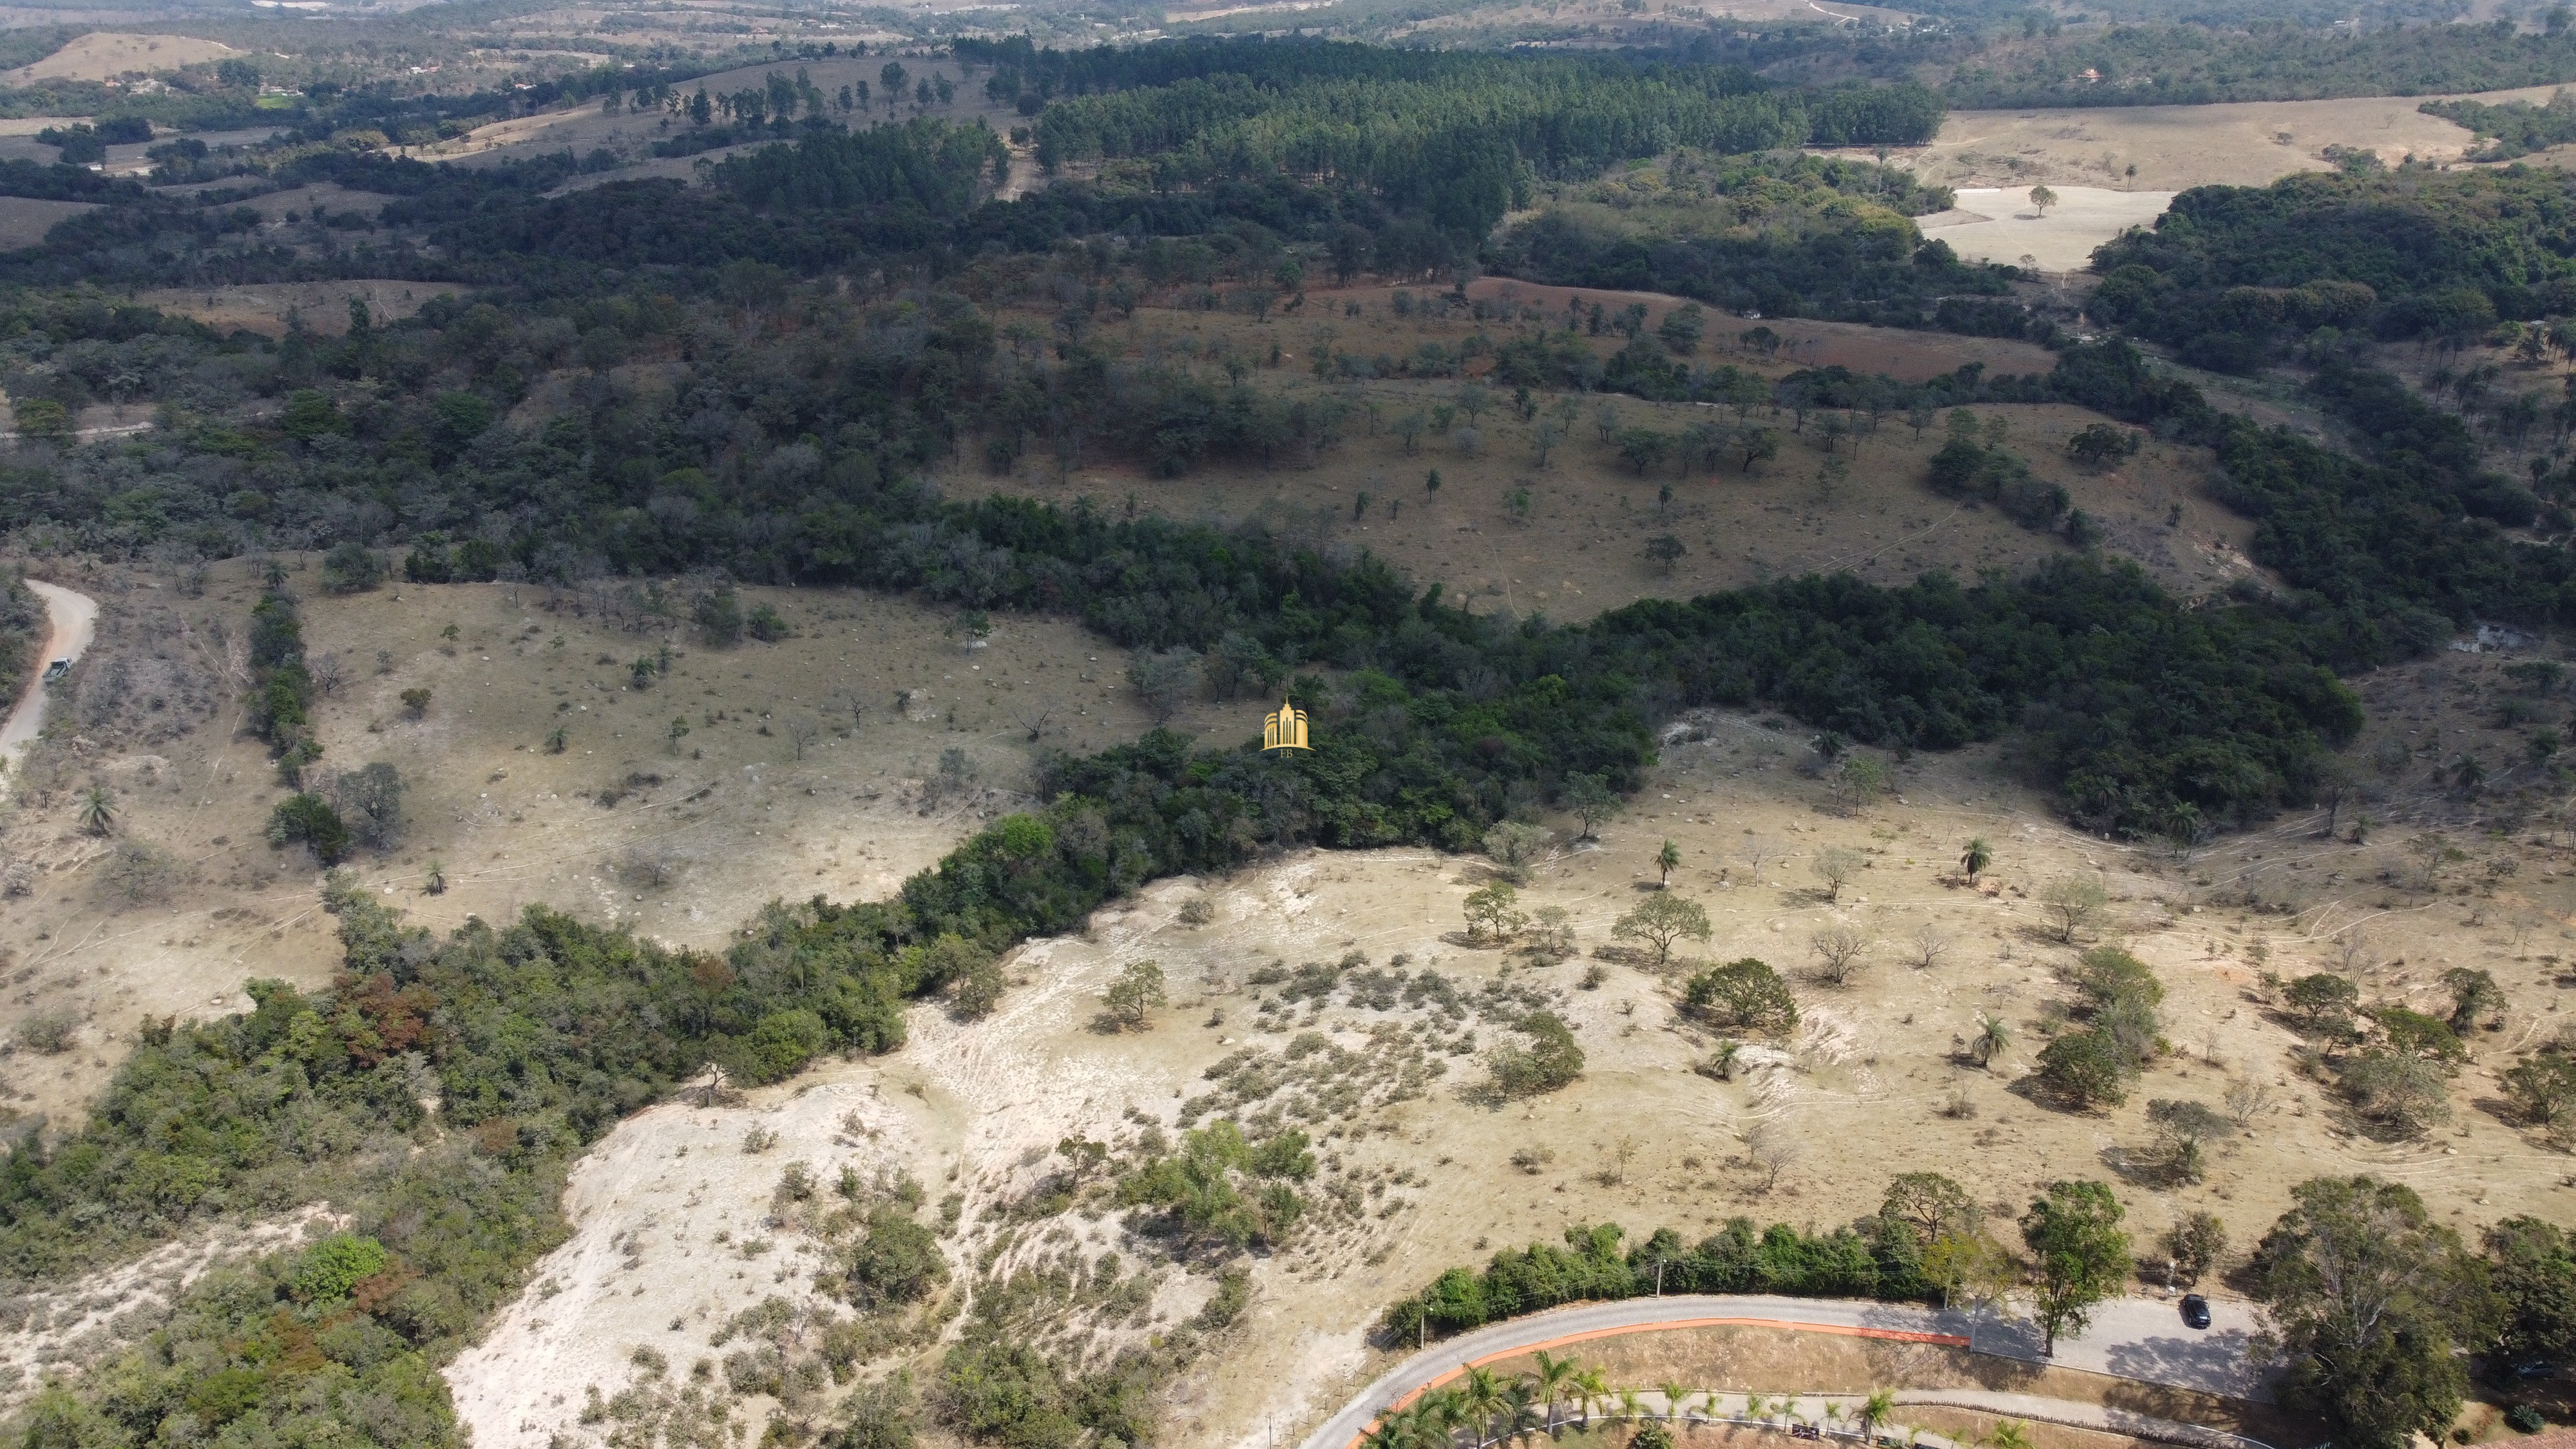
{"x": 2250, "y": 143}
{"x": 1871, "y": 1085}
{"x": 1996, "y": 224}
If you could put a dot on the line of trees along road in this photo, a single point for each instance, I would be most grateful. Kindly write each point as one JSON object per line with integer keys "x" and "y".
{"x": 2373, "y": 1301}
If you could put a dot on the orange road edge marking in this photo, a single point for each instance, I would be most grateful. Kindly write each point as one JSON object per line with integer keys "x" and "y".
{"x": 1901, "y": 1335}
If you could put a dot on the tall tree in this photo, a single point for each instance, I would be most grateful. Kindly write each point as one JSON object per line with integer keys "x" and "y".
{"x": 2534, "y": 1266}
{"x": 2083, "y": 1254}
{"x": 2372, "y": 1299}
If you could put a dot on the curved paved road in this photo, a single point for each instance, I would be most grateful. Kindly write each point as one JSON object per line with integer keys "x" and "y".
{"x": 2132, "y": 1338}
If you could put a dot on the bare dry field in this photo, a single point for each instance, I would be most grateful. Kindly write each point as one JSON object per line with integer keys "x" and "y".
{"x": 105, "y": 55}
{"x": 321, "y": 307}
{"x": 24, "y": 220}
{"x": 1580, "y": 550}
{"x": 2250, "y": 143}
{"x": 1991, "y": 224}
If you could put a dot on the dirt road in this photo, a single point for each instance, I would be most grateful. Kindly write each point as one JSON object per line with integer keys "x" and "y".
{"x": 75, "y": 617}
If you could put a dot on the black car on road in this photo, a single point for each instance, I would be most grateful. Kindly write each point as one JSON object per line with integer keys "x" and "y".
{"x": 2195, "y": 1310}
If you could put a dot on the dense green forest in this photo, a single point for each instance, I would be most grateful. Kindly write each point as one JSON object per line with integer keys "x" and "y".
{"x": 1552, "y": 115}
{"x": 2235, "y": 276}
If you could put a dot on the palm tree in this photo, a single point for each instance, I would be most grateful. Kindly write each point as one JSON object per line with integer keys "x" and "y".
{"x": 97, "y": 810}
{"x": 1631, "y": 1407}
{"x": 1674, "y": 1394}
{"x": 1478, "y": 1397}
{"x": 1993, "y": 1035}
{"x": 1755, "y": 1406}
{"x": 1396, "y": 1429}
{"x": 1976, "y": 858}
{"x": 1440, "y": 1418}
{"x": 1554, "y": 1375}
{"x": 1590, "y": 1390}
{"x": 2008, "y": 1435}
{"x": 1874, "y": 1411}
{"x": 1520, "y": 1407}
{"x": 1667, "y": 860}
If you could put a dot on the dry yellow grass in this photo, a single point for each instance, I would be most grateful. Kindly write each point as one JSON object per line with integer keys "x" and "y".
{"x": 105, "y": 55}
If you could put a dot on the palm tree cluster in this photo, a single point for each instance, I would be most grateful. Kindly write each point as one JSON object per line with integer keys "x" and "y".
{"x": 1483, "y": 1408}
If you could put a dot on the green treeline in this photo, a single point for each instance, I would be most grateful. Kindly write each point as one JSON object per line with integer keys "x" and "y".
{"x": 2514, "y": 128}
{"x": 24, "y": 630}
{"x": 530, "y": 1040}
{"x": 1418, "y": 153}
{"x": 929, "y": 165}
{"x": 2228, "y": 60}
{"x": 1456, "y": 135}
{"x": 2409, "y": 542}
{"x": 2221, "y": 710}
{"x": 1874, "y": 1260}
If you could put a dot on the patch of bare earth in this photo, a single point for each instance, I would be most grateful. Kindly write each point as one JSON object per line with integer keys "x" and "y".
{"x": 104, "y": 55}
{"x": 52, "y": 1331}
{"x": 1874, "y": 1083}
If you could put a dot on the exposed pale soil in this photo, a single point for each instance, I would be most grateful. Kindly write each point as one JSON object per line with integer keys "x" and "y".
{"x": 105, "y": 55}
{"x": 1869, "y": 1082}
{"x": 2250, "y": 143}
{"x": 2002, "y": 224}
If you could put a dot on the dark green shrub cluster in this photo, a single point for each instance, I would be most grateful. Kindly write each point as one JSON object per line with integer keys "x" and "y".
{"x": 308, "y": 819}
{"x": 1744, "y": 993}
{"x": 1966, "y": 469}
{"x": 2119, "y": 998}
{"x": 1221, "y": 1189}
{"x": 281, "y": 690}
